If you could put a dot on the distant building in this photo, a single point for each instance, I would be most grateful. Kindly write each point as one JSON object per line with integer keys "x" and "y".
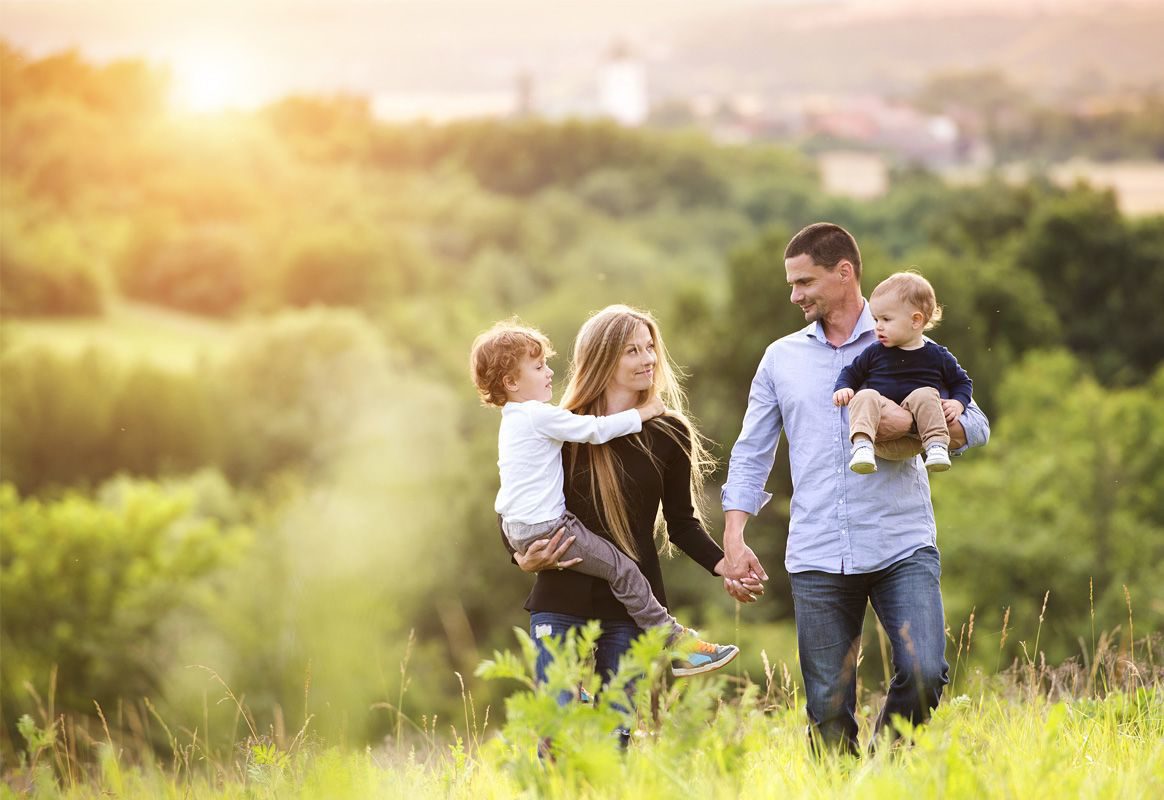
{"x": 524, "y": 95}
{"x": 622, "y": 87}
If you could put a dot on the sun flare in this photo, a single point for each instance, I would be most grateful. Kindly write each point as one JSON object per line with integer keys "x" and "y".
{"x": 209, "y": 79}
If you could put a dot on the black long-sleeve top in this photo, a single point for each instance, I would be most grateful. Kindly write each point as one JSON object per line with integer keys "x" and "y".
{"x": 644, "y": 487}
{"x": 895, "y": 372}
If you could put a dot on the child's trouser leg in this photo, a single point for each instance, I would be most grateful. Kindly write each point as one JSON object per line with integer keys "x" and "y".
{"x": 925, "y": 404}
{"x": 865, "y": 411}
{"x": 601, "y": 559}
{"x": 865, "y": 414}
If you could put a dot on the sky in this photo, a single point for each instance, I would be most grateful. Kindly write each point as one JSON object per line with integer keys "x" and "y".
{"x": 247, "y": 52}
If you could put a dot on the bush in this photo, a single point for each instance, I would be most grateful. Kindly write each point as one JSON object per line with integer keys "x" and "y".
{"x": 77, "y": 420}
{"x": 295, "y": 386}
{"x": 87, "y": 586}
{"x": 45, "y": 271}
{"x": 204, "y": 270}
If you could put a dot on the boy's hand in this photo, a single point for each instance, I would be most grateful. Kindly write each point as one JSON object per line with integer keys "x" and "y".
{"x": 841, "y": 397}
{"x": 651, "y": 409}
{"x": 952, "y": 409}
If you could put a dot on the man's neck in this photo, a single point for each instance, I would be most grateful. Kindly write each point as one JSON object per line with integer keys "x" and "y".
{"x": 840, "y": 322}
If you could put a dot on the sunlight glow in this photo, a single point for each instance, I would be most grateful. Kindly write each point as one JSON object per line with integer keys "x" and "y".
{"x": 213, "y": 78}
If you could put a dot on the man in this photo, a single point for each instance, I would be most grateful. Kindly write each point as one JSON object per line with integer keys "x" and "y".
{"x": 852, "y": 539}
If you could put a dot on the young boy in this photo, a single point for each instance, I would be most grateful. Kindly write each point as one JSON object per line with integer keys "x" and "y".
{"x": 508, "y": 365}
{"x": 903, "y": 367}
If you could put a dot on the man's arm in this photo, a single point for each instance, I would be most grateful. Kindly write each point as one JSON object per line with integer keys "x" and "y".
{"x": 748, "y": 469}
{"x": 975, "y": 427}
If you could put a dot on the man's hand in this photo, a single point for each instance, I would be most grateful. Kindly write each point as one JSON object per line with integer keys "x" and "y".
{"x": 952, "y": 409}
{"x": 547, "y": 553}
{"x": 895, "y": 422}
{"x": 841, "y": 397}
{"x": 740, "y": 563}
{"x": 746, "y": 590}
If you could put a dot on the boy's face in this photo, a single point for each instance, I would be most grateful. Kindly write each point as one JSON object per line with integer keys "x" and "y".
{"x": 897, "y": 324}
{"x": 534, "y": 381}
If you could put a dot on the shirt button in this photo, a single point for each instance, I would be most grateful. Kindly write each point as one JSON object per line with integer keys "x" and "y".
{"x": 838, "y": 470}
{"x": 840, "y": 502}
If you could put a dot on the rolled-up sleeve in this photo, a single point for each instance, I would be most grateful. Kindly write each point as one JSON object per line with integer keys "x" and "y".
{"x": 755, "y": 449}
{"x": 976, "y": 425}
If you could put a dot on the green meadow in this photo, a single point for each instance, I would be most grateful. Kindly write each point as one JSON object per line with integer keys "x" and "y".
{"x": 247, "y": 546}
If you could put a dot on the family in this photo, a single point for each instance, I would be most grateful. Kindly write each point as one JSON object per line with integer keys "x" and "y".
{"x": 868, "y": 405}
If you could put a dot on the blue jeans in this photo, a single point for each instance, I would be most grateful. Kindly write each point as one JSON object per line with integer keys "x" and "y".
{"x": 615, "y": 640}
{"x": 830, "y": 611}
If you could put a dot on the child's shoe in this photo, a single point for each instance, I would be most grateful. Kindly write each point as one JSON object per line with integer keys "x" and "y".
{"x": 863, "y": 461}
{"x": 937, "y": 458}
{"x": 703, "y": 657}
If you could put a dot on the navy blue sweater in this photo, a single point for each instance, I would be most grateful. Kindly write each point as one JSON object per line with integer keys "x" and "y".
{"x": 895, "y": 372}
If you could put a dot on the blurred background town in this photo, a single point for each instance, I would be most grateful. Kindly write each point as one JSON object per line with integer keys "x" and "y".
{"x": 244, "y": 247}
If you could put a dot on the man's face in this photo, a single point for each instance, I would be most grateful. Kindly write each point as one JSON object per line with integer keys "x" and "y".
{"x": 815, "y": 289}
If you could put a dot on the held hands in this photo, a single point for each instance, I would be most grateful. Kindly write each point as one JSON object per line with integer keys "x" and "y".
{"x": 651, "y": 409}
{"x": 743, "y": 575}
{"x": 745, "y": 590}
{"x": 547, "y": 553}
{"x": 841, "y": 397}
{"x": 952, "y": 409}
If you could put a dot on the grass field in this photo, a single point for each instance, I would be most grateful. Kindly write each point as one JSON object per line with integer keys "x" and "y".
{"x": 1026, "y": 732}
{"x": 136, "y": 332}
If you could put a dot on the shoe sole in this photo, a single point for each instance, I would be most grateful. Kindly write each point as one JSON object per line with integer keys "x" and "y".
{"x": 863, "y": 469}
{"x": 939, "y": 467}
{"x": 710, "y": 667}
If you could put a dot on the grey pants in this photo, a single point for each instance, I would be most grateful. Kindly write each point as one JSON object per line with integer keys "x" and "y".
{"x": 600, "y": 559}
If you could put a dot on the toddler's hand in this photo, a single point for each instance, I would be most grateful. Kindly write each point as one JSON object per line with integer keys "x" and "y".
{"x": 841, "y": 397}
{"x": 952, "y": 409}
{"x": 651, "y": 409}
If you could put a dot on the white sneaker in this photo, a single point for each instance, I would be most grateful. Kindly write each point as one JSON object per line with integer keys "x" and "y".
{"x": 863, "y": 461}
{"x": 937, "y": 458}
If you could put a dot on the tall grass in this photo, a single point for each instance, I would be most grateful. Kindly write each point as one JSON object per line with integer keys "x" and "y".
{"x": 1091, "y": 727}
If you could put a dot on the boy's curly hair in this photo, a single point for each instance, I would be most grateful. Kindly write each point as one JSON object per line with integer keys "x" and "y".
{"x": 498, "y": 352}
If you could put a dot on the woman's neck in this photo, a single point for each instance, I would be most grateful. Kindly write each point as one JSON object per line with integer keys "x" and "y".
{"x": 618, "y": 400}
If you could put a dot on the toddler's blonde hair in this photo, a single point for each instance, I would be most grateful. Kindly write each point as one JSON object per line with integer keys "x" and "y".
{"x": 915, "y": 291}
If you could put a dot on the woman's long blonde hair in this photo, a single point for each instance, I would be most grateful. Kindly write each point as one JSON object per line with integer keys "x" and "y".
{"x": 597, "y": 352}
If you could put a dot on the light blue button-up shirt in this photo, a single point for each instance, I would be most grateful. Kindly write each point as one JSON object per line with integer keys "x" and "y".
{"x": 841, "y": 522}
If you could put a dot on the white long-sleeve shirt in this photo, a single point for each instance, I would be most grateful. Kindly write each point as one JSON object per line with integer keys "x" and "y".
{"x": 529, "y": 455}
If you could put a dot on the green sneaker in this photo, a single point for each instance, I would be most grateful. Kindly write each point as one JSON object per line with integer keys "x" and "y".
{"x": 703, "y": 657}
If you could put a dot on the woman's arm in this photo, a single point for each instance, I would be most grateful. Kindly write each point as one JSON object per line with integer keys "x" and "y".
{"x": 683, "y": 527}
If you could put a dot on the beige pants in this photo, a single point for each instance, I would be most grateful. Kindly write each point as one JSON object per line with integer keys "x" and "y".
{"x": 924, "y": 405}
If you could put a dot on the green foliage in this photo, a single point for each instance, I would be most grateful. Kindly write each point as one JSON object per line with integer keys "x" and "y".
{"x": 45, "y": 267}
{"x": 88, "y": 585}
{"x": 77, "y": 420}
{"x": 1073, "y": 473}
{"x": 291, "y": 392}
{"x": 203, "y": 269}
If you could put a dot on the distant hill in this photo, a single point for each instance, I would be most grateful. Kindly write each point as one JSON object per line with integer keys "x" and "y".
{"x": 1053, "y": 47}
{"x": 1101, "y": 46}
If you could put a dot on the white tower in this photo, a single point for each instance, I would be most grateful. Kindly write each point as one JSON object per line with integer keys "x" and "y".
{"x": 622, "y": 87}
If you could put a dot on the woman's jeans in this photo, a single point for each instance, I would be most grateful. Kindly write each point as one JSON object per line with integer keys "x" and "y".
{"x": 615, "y": 640}
{"x": 830, "y": 610}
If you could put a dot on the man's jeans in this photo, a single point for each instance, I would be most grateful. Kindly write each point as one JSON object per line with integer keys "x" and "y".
{"x": 830, "y": 610}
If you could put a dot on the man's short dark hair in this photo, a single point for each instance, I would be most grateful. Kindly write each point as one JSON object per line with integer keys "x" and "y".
{"x": 827, "y": 245}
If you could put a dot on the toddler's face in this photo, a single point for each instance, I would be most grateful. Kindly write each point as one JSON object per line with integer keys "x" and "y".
{"x": 534, "y": 381}
{"x": 897, "y": 324}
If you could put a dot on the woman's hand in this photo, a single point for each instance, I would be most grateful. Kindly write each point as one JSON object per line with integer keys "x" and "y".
{"x": 746, "y": 590}
{"x": 547, "y": 553}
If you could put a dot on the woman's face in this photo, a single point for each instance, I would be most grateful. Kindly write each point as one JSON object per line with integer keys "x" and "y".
{"x": 636, "y": 366}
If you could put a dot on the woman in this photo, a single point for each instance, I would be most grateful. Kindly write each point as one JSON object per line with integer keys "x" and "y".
{"x": 617, "y": 489}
